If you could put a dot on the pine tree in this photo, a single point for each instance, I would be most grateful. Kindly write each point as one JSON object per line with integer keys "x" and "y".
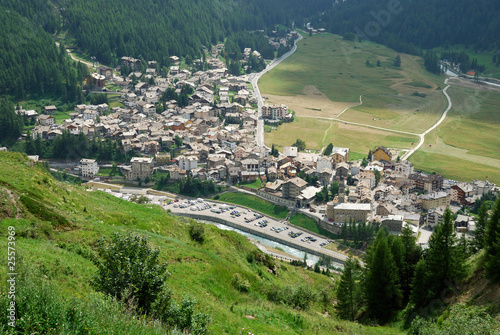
{"x": 349, "y": 293}
{"x": 481, "y": 223}
{"x": 420, "y": 294}
{"x": 492, "y": 244}
{"x": 412, "y": 255}
{"x": 382, "y": 291}
{"x": 328, "y": 150}
{"x": 445, "y": 259}
{"x": 29, "y": 145}
{"x": 397, "y": 61}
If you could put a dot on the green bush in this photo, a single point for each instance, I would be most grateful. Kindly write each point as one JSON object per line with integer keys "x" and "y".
{"x": 240, "y": 283}
{"x": 197, "y": 231}
{"x": 299, "y": 296}
{"x": 129, "y": 269}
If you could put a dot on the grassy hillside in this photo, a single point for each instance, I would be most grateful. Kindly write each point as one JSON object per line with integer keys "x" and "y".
{"x": 57, "y": 226}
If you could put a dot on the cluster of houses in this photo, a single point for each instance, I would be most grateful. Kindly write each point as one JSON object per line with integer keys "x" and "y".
{"x": 213, "y": 138}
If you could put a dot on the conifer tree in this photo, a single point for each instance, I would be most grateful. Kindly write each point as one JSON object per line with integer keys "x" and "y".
{"x": 492, "y": 244}
{"x": 382, "y": 291}
{"x": 445, "y": 263}
{"x": 349, "y": 293}
{"x": 481, "y": 223}
{"x": 412, "y": 255}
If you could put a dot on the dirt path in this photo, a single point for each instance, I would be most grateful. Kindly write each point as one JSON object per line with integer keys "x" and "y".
{"x": 360, "y": 103}
{"x": 76, "y": 59}
{"x": 14, "y": 201}
{"x": 324, "y": 136}
{"x": 422, "y": 136}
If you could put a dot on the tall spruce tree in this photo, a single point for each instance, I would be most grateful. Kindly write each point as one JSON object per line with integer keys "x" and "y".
{"x": 492, "y": 244}
{"x": 481, "y": 223}
{"x": 349, "y": 292}
{"x": 420, "y": 294}
{"x": 412, "y": 255}
{"x": 382, "y": 291}
{"x": 445, "y": 263}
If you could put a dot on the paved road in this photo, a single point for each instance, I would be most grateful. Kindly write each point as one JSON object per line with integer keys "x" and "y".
{"x": 422, "y": 136}
{"x": 259, "y": 136}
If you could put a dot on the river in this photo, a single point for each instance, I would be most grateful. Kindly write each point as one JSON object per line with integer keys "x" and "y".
{"x": 311, "y": 259}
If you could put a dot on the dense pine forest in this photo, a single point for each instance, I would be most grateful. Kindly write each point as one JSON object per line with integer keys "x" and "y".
{"x": 407, "y": 25}
{"x": 155, "y": 30}
{"x": 31, "y": 62}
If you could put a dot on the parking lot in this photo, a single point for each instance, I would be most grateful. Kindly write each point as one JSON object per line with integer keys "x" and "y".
{"x": 259, "y": 223}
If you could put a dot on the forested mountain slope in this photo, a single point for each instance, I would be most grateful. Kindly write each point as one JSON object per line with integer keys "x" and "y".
{"x": 426, "y": 24}
{"x": 30, "y": 62}
{"x": 154, "y": 29}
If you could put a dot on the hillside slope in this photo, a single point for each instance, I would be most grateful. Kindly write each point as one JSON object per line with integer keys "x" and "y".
{"x": 404, "y": 24}
{"x": 56, "y": 228}
{"x": 155, "y": 30}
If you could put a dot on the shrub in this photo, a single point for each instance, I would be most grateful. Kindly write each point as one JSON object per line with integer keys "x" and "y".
{"x": 240, "y": 283}
{"x": 197, "y": 231}
{"x": 129, "y": 269}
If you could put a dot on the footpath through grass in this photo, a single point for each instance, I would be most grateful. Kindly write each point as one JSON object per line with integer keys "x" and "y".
{"x": 256, "y": 203}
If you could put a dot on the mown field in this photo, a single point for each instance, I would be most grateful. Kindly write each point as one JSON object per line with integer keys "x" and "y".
{"x": 465, "y": 146}
{"x": 54, "y": 244}
{"x": 339, "y": 69}
{"x": 327, "y": 67}
{"x": 318, "y": 133}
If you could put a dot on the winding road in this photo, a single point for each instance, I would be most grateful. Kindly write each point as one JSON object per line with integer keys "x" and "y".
{"x": 422, "y": 136}
{"x": 89, "y": 64}
{"x": 259, "y": 136}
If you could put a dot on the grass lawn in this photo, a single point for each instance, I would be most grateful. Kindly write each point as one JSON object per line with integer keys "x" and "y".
{"x": 338, "y": 69}
{"x": 303, "y": 221}
{"x": 256, "y": 203}
{"x": 115, "y": 103}
{"x": 255, "y": 184}
{"x": 475, "y": 113}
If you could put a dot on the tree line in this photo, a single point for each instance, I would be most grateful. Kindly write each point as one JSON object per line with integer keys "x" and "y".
{"x": 74, "y": 147}
{"x": 409, "y": 26}
{"x": 153, "y": 30}
{"x": 400, "y": 276}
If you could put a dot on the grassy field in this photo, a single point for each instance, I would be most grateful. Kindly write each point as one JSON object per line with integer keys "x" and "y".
{"x": 465, "y": 146}
{"x": 327, "y": 67}
{"x": 256, "y": 203}
{"x": 454, "y": 168}
{"x": 303, "y": 221}
{"x": 58, "y": 254}
{"x": 318, "y": 133}
{"x": 476, "y": 114}
{"x": 255, "y": 184}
